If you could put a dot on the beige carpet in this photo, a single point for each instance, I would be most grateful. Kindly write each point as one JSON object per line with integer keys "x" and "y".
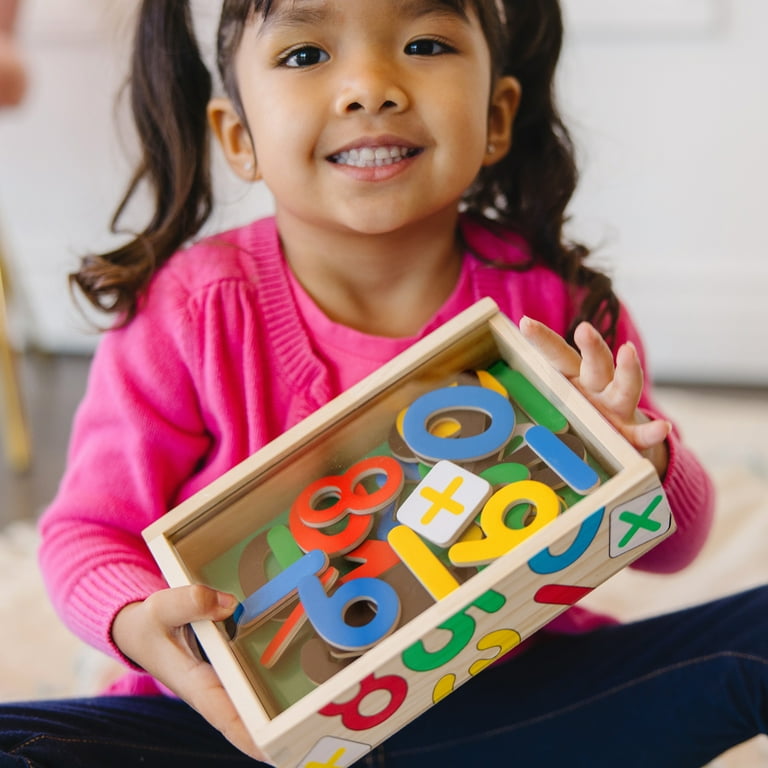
{"x": 41, "y": 659}
{"x": 730, "y": 437}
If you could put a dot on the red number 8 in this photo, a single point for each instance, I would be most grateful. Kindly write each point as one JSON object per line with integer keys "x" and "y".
{"x": 351, "y": 716}
{"x": 351, "y": 497}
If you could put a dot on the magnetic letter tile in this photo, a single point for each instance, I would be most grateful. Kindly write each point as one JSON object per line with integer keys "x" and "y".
{"x": 331, "y": 752}
{"x": 444, "y": 503}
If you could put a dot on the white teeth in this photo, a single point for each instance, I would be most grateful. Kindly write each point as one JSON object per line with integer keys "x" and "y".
{"x": 370, "y": 157}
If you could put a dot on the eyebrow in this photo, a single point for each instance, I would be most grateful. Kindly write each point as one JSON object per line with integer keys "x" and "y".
{"x": 302, "y": 13}
{"x": 294, "y": 14}
{"x": 415, "y": 9}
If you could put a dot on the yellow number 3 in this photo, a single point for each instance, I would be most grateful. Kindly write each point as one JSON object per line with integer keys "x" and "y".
{"x": 503, "y": 639}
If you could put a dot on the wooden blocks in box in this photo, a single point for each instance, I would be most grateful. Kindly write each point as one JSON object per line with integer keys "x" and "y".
{"x": 406, "y": 535}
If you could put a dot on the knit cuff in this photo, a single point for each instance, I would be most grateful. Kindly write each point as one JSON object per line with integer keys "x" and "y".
{"x": 101, "y": 595}
{"x": 690, "y": 494}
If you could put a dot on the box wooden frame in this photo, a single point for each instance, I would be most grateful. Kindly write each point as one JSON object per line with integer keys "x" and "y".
{"x": 300, "y": 736}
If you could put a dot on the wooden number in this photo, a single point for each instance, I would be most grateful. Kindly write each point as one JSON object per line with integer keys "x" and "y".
{"x": 295, "y": 620}
{"x": 504, "y": 474}
{"x": 461, "y": 627}
{"x": 422, "y": 562}
{"x": 540, "y": 410}
{"x": 432, "y": 448}
{"x": 351, "y": 500}
{"x": 318, "y": 663}
{"x": 283, "y": 546}
{"x": 375, "y": 557}
{"x": 348, "y": 493}
{"x": 274, "y": 594}
{"x": 499, "y": 538}
{"x": 557, "y": 455}
{"x": 353, "y": 534}
{"x": 327, "y": 613}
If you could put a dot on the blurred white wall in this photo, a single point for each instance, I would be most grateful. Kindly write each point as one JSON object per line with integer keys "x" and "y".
{"x": 668, "y": 105}
{"x": 60, "y": 168}
{"x": 65, "y": 158}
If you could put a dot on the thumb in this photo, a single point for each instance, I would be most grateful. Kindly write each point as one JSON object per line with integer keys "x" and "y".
{"x": 184, "y": 605}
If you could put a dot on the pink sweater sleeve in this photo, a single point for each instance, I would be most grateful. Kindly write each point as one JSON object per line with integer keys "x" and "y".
{"x": 688, "y": 487}
{"x": 137, "y": 434}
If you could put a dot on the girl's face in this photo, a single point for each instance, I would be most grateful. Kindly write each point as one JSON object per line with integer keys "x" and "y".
{"x": 365, "y": 116}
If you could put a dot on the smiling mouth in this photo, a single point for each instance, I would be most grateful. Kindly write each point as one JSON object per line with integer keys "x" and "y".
{"x": 373, "y": 157}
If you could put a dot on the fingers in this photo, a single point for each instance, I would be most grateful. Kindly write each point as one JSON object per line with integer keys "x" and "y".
{"x": 614, "y": 389}
{"x": 597, "y": 369}
{"x": 154, "y": 634}
{"x": 203, "y": 691}
{"x": 593, "y": 368}
{"x": 626, "y": 388}
{"x": 650, "y": 434}
{"x": 650, "y": 438}
{"x": 557, "y": 351}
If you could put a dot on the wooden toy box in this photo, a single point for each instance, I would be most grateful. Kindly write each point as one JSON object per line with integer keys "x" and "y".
{"x": 321, "y": 704}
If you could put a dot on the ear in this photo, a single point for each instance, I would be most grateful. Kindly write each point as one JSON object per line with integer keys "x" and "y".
{"x": 234, "y": 138}
{"x": 505, "y": 100}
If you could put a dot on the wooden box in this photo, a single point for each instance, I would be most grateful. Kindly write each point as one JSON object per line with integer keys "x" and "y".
{"x": 326, "y": 701}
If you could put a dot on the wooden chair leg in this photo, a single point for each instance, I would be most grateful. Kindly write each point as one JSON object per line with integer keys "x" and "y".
{"x": 18, "y": 446}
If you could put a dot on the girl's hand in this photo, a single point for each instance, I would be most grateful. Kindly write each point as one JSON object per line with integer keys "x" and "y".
{"x": 614, "y": 390}
{"x": 155, "y": 635}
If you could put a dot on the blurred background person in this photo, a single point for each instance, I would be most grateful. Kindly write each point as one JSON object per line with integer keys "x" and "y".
{"x": 13, "y": 79}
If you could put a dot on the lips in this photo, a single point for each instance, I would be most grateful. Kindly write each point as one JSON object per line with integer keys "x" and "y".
{"x": 374, "y": 156}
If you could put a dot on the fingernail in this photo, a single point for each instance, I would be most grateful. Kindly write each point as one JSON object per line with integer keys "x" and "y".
{"x": 630, "y": 348}
{"x": 226, "y": 600}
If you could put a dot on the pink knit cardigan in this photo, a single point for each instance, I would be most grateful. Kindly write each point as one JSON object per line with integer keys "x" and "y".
{"x": 217, "y": 363}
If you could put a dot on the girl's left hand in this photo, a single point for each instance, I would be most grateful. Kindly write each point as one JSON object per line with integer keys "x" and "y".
{"x": 614, "y": 389}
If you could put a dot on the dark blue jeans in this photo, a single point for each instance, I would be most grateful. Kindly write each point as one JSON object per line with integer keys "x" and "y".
{"x": 670, "y": 692}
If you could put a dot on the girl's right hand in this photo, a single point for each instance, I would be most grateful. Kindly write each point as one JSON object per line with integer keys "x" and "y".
{"x": 156, "y": 636}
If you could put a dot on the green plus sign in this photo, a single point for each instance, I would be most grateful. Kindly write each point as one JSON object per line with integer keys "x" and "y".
{"x": 639, "y": 521}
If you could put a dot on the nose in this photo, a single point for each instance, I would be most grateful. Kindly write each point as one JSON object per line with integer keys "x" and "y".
{"x": 372, "y": 88}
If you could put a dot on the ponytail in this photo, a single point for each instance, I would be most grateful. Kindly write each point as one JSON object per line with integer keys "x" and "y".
{"x": 169, "y": 90}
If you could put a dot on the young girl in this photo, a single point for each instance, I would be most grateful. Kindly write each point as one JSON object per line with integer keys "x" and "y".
{"x": 417, "y": 163}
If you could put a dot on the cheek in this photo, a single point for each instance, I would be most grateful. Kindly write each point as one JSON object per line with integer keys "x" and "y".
{"x": 466, "y": 111}
{"x": 280, "y": 146}
{"x": 468, "y": 125}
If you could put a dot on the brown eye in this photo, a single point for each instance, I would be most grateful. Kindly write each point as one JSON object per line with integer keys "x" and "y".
{"x": 307, "y": 56}
{"x": 426, "y": 47}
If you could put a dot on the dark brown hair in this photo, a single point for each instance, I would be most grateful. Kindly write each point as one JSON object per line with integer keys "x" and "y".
{"x": 526, "y": 193}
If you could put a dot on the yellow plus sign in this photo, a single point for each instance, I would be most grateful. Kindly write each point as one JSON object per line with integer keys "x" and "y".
{"x": 442, "y": 500}
{"x": 331, "y": 763}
